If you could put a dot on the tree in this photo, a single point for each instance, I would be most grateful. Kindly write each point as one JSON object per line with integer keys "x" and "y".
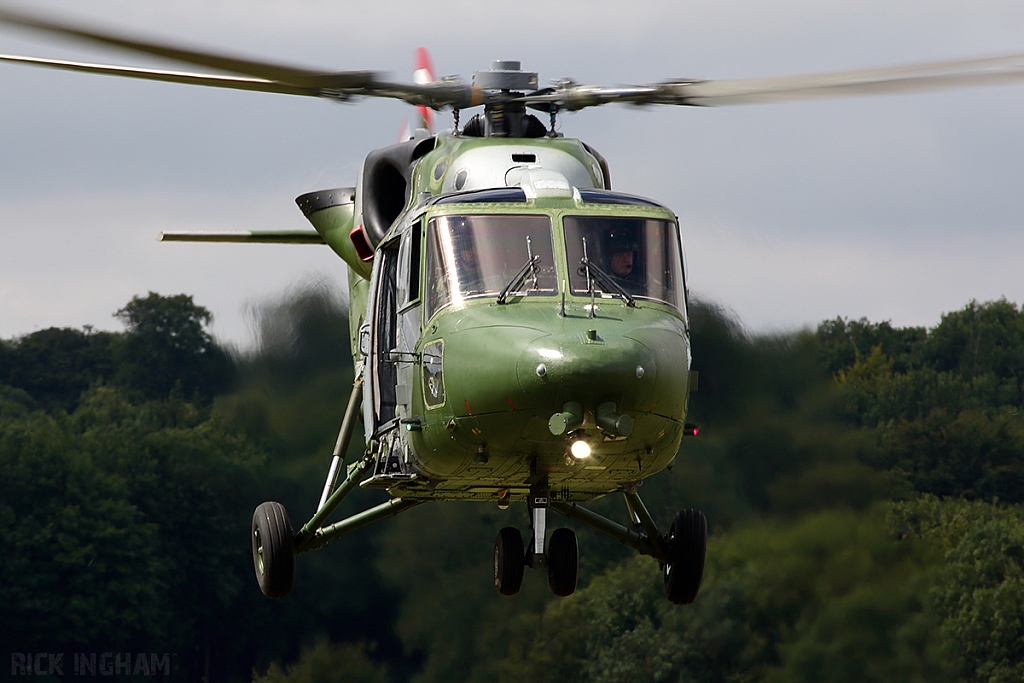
{"x": 56, "y": 365}
{"x": 831, "y": 597}
{"x": 117, "y": 524}
{"x": 327, "y": 663}
{"x": 167, "y": 347}
{"x": 978, "y": 587}
{"x": 844, "y": 342}
{"x": 981, "y": 338}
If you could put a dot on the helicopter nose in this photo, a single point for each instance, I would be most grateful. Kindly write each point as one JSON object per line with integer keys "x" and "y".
{"x": 588, "y": 368}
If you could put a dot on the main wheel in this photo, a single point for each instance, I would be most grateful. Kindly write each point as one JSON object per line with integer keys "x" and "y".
{"x": 563, "y": 562}
{"x": 509, "y": 561}
{"x": 272, "y": 553}
{"x": 687, "y": 544}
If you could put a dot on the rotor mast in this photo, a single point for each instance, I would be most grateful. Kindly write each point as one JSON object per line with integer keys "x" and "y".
{"x": 505, "y": 85}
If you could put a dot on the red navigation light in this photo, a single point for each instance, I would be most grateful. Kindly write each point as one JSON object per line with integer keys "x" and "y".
{"x": 363, "y": 249}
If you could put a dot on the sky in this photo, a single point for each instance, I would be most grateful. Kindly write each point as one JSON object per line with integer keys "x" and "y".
{"x": 893, "y": 208}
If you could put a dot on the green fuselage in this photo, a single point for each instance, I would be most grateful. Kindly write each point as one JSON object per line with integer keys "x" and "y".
{"x": 473, "y": 396}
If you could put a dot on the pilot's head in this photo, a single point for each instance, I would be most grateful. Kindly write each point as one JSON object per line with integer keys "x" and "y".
{"x": 621, "y": 250}
{"x": 621, "y": 263}
{"x": 467, "y": 255}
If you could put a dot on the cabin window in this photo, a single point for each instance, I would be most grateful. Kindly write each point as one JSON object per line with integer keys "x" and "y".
{"x": 473, "y": 256}
{"x": 641, "y": 255}
{"x": 414, "y": 262}
{"x": 409, "y": 268}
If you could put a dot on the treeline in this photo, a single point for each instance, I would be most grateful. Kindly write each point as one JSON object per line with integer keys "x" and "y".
{"x": 164, "y": 348}
{"x": 130, "y": 464}
{"x": 863, "y": 484}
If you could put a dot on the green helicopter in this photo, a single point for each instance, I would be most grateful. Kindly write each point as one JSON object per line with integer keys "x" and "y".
{"x": 519, "y": 329}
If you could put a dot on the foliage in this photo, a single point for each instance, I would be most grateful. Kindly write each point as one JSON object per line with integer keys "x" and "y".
{"x": 979, "y": 586}
{"x": 831, "y": 597}
{"x": 166, "y": 348}
{"x": 861, "y": 482}
{"x": 113, "y": 526}
{"x": 55, "y": 366}
{"x": 844, "y": 342}
{"x": 326, "y": 663}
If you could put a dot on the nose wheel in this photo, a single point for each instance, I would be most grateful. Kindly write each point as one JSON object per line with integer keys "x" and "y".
{"x": 509, "y": 561}
{"x": 561, "y": 559}
{"x": 563, "y": 562}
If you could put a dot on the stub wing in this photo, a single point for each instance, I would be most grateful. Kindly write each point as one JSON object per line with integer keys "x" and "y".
{"x": 247, "y": 236}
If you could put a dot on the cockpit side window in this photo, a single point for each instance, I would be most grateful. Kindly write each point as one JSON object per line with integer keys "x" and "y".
{"x": 641, "y": 255}
{"x": 470, "y": 256}
{"x": 438, "y": 290}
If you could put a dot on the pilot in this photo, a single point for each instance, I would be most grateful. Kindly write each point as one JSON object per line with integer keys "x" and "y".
{"x": 621, "y": 261}
{"x": 471, "y": 280}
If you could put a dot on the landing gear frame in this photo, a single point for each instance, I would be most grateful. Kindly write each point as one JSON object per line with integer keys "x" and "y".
{"x": 681, "y": 552}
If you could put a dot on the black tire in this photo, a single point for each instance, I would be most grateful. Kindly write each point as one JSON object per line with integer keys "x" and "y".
{"x": 509, "y": 561}
{"x": 563, "y": 562}
{"x": 272, "y": 554}
{"x": 687, "y": 544}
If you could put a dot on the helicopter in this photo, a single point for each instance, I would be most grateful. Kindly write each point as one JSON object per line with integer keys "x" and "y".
{"x": 519, "y": 328}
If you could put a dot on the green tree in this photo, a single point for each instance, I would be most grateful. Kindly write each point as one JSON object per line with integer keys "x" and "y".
{"x": 56, "y": 365}
{"x": 114, "y": 525}
{"x": 981, "y": 338}
{"x": 327, "y": 663}
{"x": 978, "y": 589}
{"x": 167, "y": 347}
{"x": 830, "y": 597}
{"x": 844, "y": 342}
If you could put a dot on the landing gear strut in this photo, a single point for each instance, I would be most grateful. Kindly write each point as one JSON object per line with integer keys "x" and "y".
{"x": 275, "y": 545}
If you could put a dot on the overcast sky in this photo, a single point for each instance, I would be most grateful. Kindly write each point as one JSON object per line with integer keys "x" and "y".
{"x": 896, "y": 207}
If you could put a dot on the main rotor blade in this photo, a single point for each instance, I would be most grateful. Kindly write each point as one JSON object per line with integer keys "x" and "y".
{"x": 272, "y": 72}
{"x": 705, "y": 93}
{"x": 265, "y": 76}
{"x": 210, "y": 80}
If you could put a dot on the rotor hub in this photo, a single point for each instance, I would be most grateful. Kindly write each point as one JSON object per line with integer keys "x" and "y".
{"x": 505, "y": 75}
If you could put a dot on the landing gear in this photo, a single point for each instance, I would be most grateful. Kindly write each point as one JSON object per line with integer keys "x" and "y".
{"x": 687, "y": 543}
{"x": 272, "y": 552}
{"x": 509, "y": 561}
{"x": 563, "y": 562}
{"x": 560, "y": 556}
{"x": 680, "y": 552}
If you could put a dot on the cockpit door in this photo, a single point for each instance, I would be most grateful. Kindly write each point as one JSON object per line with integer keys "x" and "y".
{"x": 382, "y": 314}
{"x": 408, "y": 276}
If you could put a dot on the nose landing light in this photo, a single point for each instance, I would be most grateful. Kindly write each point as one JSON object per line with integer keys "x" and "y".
{"x": 580, "y": 449}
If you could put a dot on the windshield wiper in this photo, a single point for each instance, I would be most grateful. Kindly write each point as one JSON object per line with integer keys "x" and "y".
{"x": 594, "y": 273}
{"x": 531, "y": 265}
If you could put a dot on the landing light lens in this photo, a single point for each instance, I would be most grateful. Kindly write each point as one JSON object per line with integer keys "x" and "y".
{"x": 580, "y": 450}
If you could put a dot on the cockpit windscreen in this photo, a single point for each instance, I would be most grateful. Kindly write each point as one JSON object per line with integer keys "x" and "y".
{"x": 469, "y": 256}
{"x": 640, "y": 255}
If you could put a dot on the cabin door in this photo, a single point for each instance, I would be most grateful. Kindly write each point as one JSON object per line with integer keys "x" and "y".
{"x": 383, "y": 317}
{"x": 408, "y": 319}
